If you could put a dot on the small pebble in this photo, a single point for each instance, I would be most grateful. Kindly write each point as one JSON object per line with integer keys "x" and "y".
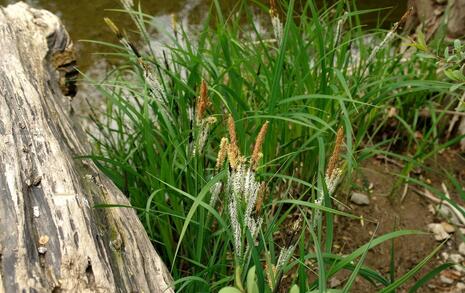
{"x": 360, "y": 198}
{"x": 446, "y": 280}
{"x": 460, "y": 269}
{"x": 446, "y": 212}
{"x": 462, "y": 248}
{"x": 438, "y": 12}
{"x": 439, "y": 232}
{"x": 448, "y": 227}
{"x": 334, "y": 282}
{"x": 456, "y": 258}
{"x": 445, "y": 256}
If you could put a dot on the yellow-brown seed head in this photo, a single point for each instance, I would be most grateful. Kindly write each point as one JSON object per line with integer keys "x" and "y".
{"x": 234, "y": 155}
{"x": 174, "y": 22}
{"x": 222, "y": 153}
{"x": 336, "y": 152}
{"x": 256, "y": 155}
{"x": 261, "y": 195}
{"x": 202, "y": 102}
{"x": 232, "y": 130}
{"x": 273, "y": 8}
{"x": 113, "y": 27}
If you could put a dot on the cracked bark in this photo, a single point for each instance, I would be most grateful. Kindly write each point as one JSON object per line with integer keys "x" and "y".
{"x": 51, "y": 237}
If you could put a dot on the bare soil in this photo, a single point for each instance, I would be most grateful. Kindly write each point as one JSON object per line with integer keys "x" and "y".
{"x": 376, "y": 178}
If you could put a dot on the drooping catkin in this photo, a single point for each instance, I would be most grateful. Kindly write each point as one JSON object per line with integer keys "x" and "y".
{"x": 339, "y": 27}
{"x": 114, "y": 29}
{"x": 284, "y": 255}
{"x": 222, "y": 153}
{"x": 256, "y": 155}
{"x": 123, "y": 40}
{"x": 236, "y": 227}
{"x": 390, "y": 35}
{"x": 215, "y": 192}
{"x": 174, "y": 24}
{"x": 202, "y": 136}
{"x": 336, "y": 152}
{"x": 233, "y": 149}
{"x": 152, "y": 81}
{"x": 278, "y": 28}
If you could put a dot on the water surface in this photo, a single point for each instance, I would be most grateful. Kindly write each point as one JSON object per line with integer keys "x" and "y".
{"x": 84, "y": 18}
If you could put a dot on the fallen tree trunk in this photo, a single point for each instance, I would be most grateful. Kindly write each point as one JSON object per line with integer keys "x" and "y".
{"x": 52, "y": 239}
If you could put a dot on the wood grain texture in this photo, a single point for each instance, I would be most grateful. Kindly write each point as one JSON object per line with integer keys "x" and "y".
{"x": 51, "y": 237}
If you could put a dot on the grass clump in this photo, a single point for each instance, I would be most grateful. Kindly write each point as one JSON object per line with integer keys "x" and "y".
{"x": 287, "y": 97}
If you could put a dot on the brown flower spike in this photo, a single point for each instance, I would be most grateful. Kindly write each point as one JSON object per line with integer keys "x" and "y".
{"x": 233, "y": 149}
{"x": 202, "y": 102}
{"x": 256, "y": 155}
{"x": 222, "y": 153}
{"x": 261, "y": 195}
{"x": 273, "y": 8}
{"x": 336, "y": 152}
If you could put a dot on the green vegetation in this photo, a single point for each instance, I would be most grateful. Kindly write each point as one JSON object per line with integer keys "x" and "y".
{"x": 319, "y": 70}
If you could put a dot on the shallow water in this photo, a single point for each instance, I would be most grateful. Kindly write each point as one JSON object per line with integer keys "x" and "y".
{"x": 84, "y": 18}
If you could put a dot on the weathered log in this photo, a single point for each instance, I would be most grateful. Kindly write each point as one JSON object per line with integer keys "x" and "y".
{"x": 52, "y": 239}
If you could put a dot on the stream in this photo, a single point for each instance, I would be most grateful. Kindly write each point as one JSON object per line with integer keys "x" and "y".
{"x": 84, "y": 21}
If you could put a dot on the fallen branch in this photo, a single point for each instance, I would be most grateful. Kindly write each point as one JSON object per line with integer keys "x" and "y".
{"x": 51, "y": 237}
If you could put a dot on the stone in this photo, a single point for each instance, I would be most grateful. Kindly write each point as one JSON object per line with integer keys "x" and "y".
{"x": 439, "y": 232}
{"x": 462, "y": 248}
{"x": 448, "y": 227}
{"x": 447, "y": 213}
{"x": 445, "y": 256}
{"x": 334, "y": 282}
{"x": 460, "y": 269}
{"x": 456, "y": 258}
{"x": 359, "y": 198}
{"x": 446, "y": 280}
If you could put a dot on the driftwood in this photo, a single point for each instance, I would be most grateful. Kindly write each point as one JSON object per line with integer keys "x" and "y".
{"x": 52, "y": 239}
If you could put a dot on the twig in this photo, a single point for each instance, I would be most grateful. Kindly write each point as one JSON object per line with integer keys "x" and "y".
{"x": 404, "y": 193}
{"x": 389, "y": 160}
{"x": 434, "y": 199}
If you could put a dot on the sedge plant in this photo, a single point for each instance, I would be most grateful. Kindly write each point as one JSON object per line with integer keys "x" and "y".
{"x": 286, "y": 97}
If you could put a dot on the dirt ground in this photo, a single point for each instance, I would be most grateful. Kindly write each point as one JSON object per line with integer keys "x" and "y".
{"x": 375, "y": 179}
